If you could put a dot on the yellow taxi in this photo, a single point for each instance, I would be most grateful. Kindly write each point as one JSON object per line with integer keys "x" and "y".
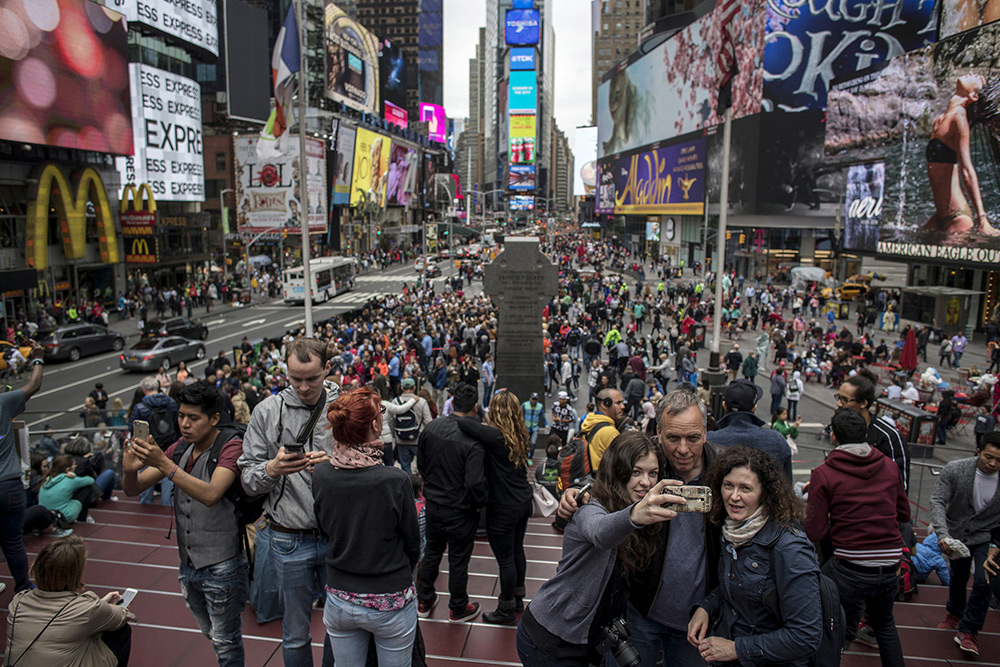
{"x": 5, "y": 347}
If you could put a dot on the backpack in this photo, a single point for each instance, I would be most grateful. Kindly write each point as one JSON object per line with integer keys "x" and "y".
{"x": 574, "y": 459}
{"x": 907, "y": 576}
{"x": 162, "y": 425}
{"x": 406, "y": 428}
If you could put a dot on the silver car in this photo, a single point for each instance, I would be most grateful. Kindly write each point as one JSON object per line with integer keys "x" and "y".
{"x": 151, "y": 354}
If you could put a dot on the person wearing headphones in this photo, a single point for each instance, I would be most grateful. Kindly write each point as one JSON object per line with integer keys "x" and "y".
{"x": 601, "y": 427}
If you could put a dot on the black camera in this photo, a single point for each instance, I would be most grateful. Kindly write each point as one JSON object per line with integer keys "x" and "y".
{"x": 618, "y": 640}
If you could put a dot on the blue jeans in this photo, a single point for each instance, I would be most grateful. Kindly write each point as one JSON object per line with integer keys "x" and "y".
{"x": 973, "y": 614}
{"x": 216, "y": 596}
{"x": 405, "y": 455}
{"x": 870, "y": 594}
{"x": 300, "y": 573}
{"x": 166, "y": 493}
{"x": 106, "y": 482}
{"x": 11, "y": 526}
{"x": 349, "y": 627}
{"x": 487, "y": 394}
{"x": 653, "y": 640}
{"x": 775, "y": 403}
{"x": 533, "y": 443}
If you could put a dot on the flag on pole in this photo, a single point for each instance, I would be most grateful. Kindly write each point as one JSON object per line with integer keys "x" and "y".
{"x": 725, "y": 59}
{"x": 285, "y": 64}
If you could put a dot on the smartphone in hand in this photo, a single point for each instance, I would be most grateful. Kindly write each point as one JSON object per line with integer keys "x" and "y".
{"x": 296, "y": 450}
{"x": 140, "y": 429}
{"x": 127, "y": 597}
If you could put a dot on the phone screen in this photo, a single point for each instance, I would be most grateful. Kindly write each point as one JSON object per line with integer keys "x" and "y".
{"x": 127, "y": 597}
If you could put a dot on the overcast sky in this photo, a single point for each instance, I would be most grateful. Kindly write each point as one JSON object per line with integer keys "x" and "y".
{"x": 462, "y": 19}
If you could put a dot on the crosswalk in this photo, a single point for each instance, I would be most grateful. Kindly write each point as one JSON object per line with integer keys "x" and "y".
{"x": 358, "y": 297}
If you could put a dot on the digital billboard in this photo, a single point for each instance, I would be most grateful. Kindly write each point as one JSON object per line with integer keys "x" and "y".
{"x": 523, "y": 98}
{"x": 352, "y": 67}
{"x": 931, "y": 116}
{"x": 522, "y": 140}
{"x": 437, "y": 121}
{"x": 523, "y": 4}
{"x": 961, "y": 15}
{"x": 343, "y": 163}
{"x": 267, "y": 193}
{"x": 672, "y": 90}
{"x": 522, "y": 177}
{"x": 392, "y": 73}
{"x": 653, "y": 231}
{"x": 192, "y": 21}
{"x": 248, "y": 67}
{"x": 64, "y": 77}
{"x": 604, "y": 202}
{"x": 585, "y": 161}
{"x": 863, "y": 206}
{"x": 522, "y": 58}
{"x": 668, "y": 180}
{"x": 522, "y": 26}
{"x": 401, "y": 178}
{"x": 522, "y": 202}
{"x": 396, "y": 115}
{"x": 810, "y": 44}
{"x": 371, "y": 166}
{"x": 167, "y": 135}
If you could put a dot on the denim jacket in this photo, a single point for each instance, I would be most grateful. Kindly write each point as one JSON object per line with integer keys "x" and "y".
{"x": 778, "y": 557}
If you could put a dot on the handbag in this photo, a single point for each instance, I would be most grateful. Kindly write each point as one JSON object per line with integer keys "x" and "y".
{"x": 543, "y": 502}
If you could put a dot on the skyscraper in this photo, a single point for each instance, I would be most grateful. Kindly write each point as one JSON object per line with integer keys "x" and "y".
{"x": 616, "y": 26}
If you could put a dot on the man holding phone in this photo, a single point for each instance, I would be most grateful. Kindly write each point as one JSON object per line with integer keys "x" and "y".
{"x": 213, "y": 568}
{"x": 283, "y": 443}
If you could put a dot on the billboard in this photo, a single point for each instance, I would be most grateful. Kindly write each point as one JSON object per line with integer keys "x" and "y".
{"x": 522, "y": 140}
{"x": 663, "y": 180}
{"x": 396, "y": 115}
{"x": 672, "y": 90}
{"x": 523, "y": 4}
{"x": 167, "y": 135}
{"x": 863, "y": 206}
{"x": 522, "y": 177}
{"x": 267, "y": 193}
{"x": 437, "y": 121}
{"x": 343, "y": 162}
{"x": 961, "y": 15}
{"x": 522, "y": 202}
{"x": 248, "y": 67}
{"x": 402, "y": 175}
{"x": 55, "y": 95}
{"x": 371, "y": 165}
{"x": 585, "y": 161}
{"x": 522, "y": 58}
{"x": 604, "y": 202}
{"x": 430, "y": 50}
{"x": 194, "y": 22}
{"x": 392, "y": 73}
{"x": 931, "y": 117}
{"x": 522, "y": 26}
{"x": 653, "y": 230}
{"x": 523, "y": 98}
{"x": 810, "y": 44}
{"x": 352, "y": 67}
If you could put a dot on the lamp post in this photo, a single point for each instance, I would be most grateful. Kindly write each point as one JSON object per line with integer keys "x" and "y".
{"x": 222, "y": 216}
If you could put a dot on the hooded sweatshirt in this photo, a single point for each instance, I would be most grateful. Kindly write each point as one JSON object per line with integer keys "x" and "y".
{"x": 860, "y": 500}
{"x": 599, "y": 439}
{"x": 57, "y": 495}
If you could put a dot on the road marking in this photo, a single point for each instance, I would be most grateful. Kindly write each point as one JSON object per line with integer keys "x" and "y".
{"x": 218, "y": 321}
{"x": 258, "y": 321}
{"x": 291, "y": 324}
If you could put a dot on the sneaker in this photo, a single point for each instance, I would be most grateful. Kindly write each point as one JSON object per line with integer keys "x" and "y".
{"x": 866, "y": 636}
{"x": 3, "y": 587}
{"x": 62, "y": 532}
{"x": 424, "y": 608}
{"x": 967, "y": 643}
{"x": 470, "y": 612}
{"x": 530, "y": 463}
{"x": 90, "y": 519}
{"x": 950, "y": 622}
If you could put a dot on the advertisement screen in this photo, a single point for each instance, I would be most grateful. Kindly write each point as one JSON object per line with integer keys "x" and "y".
{"x": 522, "y": 203}
{"x": 55, "y": 95}
{"x": 522, "y": 140}
{"x": 192, "y": 21}
{"x": 167, "y": 135}
{"x": 267, "y": 193}
{"x": 863, "y": 206}
{"x": 522, "y": 177}
{"x": 663, "y": 180}
{"x": 522, "y": 26}
{"x": 942, "y": 180}
{"x": 248, "y": 67}
{"x": 522, "y": 58}
{"x": 604, "y": 203}
{"x": 523, "y": 98}
{"x": 523, "y": 4}
{"x": 371, "y": 166}
{"x": 396, "y": 115}
{"x": 402, "y": 175}
{"x": 343, "y": 163}
{"x": 352, "y": 70}
{"x": 585, "y": 161}
{"x": 653, "y": 230}
{"x": 392, "y": 73}
{"x": 810, "y": 44}
{"x": 961, "y": 15}
{"x": 437, "y": 121}
{"x": 672, "y": 90}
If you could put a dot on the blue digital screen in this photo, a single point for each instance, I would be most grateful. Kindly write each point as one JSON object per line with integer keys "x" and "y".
{"x": 522, "y": 26}
{"x": 522, "y": 58}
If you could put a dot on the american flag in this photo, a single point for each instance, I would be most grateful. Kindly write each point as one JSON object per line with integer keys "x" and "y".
{"x": 725, "y": 59}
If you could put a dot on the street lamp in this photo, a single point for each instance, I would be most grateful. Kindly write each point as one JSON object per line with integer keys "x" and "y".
{"x": 222, "y": 216}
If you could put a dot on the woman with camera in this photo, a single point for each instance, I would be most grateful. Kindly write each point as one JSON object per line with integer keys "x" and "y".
{"x": 766, "y": 609}
{"x": 576, "y": 617}
{"x": 59, "y": 623}
{"x": 367, "y": 514}
{"x": 508, "y": 503}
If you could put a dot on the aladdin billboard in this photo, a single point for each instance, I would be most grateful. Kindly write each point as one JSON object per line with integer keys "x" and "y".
{"x": 667, "y": 180}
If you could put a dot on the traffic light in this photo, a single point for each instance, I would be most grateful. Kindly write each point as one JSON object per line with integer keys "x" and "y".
{"x": 378, "y": 232}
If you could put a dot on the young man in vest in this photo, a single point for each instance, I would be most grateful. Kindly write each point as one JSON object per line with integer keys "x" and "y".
{"x": 213, "y": 569}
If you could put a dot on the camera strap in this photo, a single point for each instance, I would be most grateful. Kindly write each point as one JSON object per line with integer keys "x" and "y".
{"x": 14, "y": 619}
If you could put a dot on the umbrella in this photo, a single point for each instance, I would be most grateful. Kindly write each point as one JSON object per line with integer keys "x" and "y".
{"x": 260, "y": 259}
{"x": 908, "y": 358}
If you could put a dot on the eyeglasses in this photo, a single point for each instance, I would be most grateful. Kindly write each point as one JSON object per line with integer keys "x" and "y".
{"x": 840, "y": 398}
{"x": 381, "y": 408}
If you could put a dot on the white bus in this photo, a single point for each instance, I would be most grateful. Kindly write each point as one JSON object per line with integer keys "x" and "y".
{"x": 330, "y": 276}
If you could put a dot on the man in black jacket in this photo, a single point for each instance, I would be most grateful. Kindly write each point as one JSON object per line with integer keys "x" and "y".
{"x": 452, "y": 465}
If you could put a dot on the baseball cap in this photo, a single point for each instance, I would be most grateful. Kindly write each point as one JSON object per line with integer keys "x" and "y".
{"x": 408, "y": 383}
{"x": 741, "y": 395}
{"x": 563, "y": 394}
{"x": 534, "y": 394}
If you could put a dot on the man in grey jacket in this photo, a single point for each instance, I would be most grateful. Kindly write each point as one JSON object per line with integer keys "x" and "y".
{"x": 267, "y": 467}
{"x": 965, "y": 506}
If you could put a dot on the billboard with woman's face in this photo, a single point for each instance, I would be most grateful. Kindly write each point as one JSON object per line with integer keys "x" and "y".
{"x": 933, "y": 117}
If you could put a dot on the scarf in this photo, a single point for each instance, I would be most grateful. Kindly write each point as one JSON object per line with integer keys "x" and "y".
{"x": 738, "y": 533}
{"x": 365, "y": 455}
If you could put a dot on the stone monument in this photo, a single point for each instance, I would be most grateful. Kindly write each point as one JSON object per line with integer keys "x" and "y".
{"x": 521, "y": 280}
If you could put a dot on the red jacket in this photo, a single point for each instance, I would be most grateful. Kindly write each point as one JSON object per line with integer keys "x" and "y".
{"x": 860, "y": 501}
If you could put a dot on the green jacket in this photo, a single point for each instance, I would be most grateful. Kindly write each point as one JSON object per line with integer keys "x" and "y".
{"x": 750, "y": 367}
{"x": 57, "y": 495}
{"x": 786, "y": 429}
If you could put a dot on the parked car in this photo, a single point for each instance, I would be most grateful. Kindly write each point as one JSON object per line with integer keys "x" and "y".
{"x": 176, "y": 326}
{"x": 73, "y": 341}
{"x": 151, "y": 354}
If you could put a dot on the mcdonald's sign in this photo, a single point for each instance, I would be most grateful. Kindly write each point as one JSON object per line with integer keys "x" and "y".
{"x": 138, "y": 251}
{"x": 138, "y": 211}
{"x": 70, "y": 206}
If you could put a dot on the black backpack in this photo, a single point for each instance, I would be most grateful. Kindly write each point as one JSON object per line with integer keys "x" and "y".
{"x": 163, "y": 425}
{"x": 406, "y": 427}
{"x": 574, "y": 459}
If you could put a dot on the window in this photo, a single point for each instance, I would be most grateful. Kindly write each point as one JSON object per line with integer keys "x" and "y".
{"x": 220, "y": 160}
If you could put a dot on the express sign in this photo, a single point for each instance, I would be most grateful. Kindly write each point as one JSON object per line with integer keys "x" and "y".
{"x": 194, "y": 21}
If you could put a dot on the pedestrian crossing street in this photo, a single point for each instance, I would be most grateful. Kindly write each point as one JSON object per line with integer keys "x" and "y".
{"x": 391, "y": 279}
{"x": 358, "y": 297}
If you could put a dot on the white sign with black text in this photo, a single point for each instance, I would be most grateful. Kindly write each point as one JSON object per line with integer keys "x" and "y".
{"x": 193, "y": 21}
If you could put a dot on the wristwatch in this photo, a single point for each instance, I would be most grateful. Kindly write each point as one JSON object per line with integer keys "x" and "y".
{"x": 37, "y": 362}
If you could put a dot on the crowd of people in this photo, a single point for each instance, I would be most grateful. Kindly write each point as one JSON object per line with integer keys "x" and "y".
{"x": 320, "y": 433}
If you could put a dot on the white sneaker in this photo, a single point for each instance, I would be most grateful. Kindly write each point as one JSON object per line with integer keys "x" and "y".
{"x": 3, "y": 587}
{"x": 90, "y": 519}
{"x": 62, "y": 532}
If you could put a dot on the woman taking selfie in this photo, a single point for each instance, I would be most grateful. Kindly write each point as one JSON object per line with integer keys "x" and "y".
{"x": 766, "y": 609}
{"x": 508, "y": 503}
{"x": 368, "y": 516}
{"x": 565, "y": 621}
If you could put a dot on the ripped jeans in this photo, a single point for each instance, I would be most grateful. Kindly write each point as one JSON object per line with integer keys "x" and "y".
{"x": 216, "y": 596}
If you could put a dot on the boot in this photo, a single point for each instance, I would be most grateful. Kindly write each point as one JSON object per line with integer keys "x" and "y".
{"x": 519, "y": 599}
{"x": 504, "y": 615}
